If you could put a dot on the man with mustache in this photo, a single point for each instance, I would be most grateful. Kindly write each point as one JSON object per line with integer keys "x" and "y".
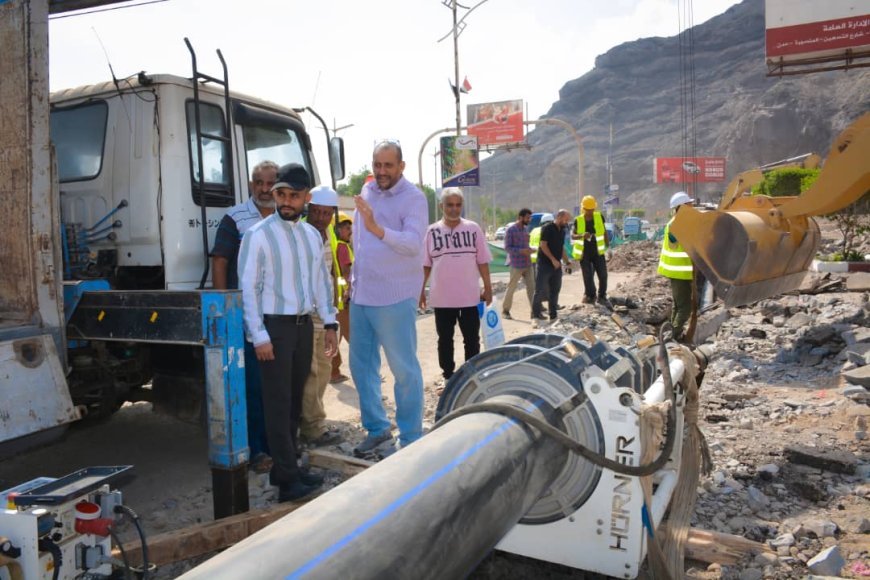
{"x": 224, "y": 258}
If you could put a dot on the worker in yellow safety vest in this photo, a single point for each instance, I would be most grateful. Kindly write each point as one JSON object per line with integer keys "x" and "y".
{"x": 535, "y": 236}
{"x": 676, "y": 265}
{"x": 342, "y": 260}
{"x": 590, "y": 243}
{"x": 313, "y": 428}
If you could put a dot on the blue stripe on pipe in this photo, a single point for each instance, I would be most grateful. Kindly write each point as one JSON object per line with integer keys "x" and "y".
{"x": 340, "y": 544}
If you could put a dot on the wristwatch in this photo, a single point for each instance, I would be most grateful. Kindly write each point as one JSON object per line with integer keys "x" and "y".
{"x": 333, "y": 326}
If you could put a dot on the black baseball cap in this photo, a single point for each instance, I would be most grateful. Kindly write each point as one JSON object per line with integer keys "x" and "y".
{"x": 294, "y": 176}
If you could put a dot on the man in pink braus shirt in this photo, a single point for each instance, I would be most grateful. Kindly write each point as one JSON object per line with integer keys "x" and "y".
{"x": 455, "y": 256}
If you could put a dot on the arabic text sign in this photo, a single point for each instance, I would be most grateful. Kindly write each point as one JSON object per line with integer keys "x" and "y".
{"x": 460, "y": 163}
{"x": 804, "y": 29}
{"x": 686, "y": 169}
{"x": 496, "y": 123}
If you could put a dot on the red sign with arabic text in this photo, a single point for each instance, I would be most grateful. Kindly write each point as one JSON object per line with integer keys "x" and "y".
{"x": 686, "y": 169}
{"x": 812, "y": 37}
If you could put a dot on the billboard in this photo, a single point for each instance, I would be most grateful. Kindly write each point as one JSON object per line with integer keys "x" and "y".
{"x": 460, "y": 162}
{"x": 686, "y": 169}
{"x": 496, "y": 123}
{"x": 808, "y": 33}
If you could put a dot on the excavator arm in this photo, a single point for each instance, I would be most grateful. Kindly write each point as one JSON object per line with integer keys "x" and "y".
{"x": 754, "y": 247}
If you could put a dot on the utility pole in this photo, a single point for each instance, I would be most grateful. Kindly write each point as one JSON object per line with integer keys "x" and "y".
{"x": 456, "y": 91}
{"x": 458, "y": 27}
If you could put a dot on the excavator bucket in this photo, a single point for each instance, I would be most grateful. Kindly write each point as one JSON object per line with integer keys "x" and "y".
{"x": 754, "y": 247}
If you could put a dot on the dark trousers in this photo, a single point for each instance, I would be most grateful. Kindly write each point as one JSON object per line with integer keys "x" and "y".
{"x": 469, "y": 324}
{"x": 254, "y": 400}
{"x": 591, "y": 265}
{"x": 681, "y": 290}
{"x": 283, "y": 385}
{"x": 548, "y": 282}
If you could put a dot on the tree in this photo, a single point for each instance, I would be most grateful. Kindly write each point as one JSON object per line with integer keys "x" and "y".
{"x": 852, "y": 221}
{"x": 786, "y": 181}
{"x": 354, "y": 183}
{"x": 432, "y": 202}
{"x": 637, "y": 212}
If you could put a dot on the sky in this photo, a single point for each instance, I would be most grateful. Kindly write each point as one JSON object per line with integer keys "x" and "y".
{"x": 376, "y": 65}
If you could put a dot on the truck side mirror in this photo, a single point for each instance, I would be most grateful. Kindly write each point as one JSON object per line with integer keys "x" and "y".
{"x": 336, "y": 158}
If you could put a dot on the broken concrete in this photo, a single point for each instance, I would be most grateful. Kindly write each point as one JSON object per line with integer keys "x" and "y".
{"x": 834, "y": 460}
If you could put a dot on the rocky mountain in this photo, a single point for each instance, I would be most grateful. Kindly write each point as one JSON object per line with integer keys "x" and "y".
{"x": 740, "y": 114}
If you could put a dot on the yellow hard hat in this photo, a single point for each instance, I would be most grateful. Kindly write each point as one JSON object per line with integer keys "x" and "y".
{"x": 341, "y": 217}
{"x": 588, "y": 202}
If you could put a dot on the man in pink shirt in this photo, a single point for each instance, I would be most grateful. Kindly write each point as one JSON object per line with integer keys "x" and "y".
{"x": 455, "y": 256}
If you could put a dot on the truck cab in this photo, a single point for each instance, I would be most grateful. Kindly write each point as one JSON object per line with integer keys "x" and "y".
{"x": 130, "y": 152}
{"x": 137, "y": 216}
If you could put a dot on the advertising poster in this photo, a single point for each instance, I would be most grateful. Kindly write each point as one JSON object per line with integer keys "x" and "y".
{"x": 460, "y": 162}
{"x": 496, "y": 123}
{"x": 686, "y": 169}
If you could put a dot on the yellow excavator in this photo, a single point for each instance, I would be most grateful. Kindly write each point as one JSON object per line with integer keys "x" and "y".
{"x": 754, "y": 246}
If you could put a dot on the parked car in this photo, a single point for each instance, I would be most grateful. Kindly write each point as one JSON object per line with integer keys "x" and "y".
{"x": 500, "y": 233}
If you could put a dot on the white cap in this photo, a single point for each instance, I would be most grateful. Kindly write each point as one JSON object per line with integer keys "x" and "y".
{"x": 680, "y": 198}
{"x": 324, "y": 195}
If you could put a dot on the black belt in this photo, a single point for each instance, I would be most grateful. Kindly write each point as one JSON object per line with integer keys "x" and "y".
{"x": 293, "y": 318}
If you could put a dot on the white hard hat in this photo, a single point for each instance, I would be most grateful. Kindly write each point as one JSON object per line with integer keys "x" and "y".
{"x": 546, "y": 218}
{"x": 324, "y": 195}
{"x": 680, "y": 198}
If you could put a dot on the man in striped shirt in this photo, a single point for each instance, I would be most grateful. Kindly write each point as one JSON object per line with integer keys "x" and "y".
{"x": 284, "y": 279}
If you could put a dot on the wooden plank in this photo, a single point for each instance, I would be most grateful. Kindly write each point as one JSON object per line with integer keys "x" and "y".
{"x": 349, "y": 466}
{"x": 203, "y": 539}
{"x": 718, "y": 548}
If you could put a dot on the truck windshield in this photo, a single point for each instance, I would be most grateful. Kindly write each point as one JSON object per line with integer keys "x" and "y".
{"x": 271, "y": 143}
{"x": 78, "y": 134}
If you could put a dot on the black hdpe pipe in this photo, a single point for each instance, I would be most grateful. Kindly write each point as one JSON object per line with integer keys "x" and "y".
{"x": 457, "y": 492}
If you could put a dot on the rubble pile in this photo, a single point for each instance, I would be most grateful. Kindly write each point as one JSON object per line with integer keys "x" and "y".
{"x": 785, "y": 412}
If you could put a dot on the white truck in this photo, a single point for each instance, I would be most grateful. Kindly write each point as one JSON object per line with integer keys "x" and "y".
{"x": 146, "y": 166}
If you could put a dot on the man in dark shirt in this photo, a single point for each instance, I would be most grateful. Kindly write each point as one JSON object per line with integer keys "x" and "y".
{"x": 224, "y": 258}
{"x": 551, "y": 254}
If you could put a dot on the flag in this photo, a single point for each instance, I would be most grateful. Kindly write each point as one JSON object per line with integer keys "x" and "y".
{"x": 464, "y": 88}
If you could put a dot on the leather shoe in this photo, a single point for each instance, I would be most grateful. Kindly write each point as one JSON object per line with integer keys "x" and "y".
{"x": 295, "y": 490}
{"x": 506, "y": 315}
